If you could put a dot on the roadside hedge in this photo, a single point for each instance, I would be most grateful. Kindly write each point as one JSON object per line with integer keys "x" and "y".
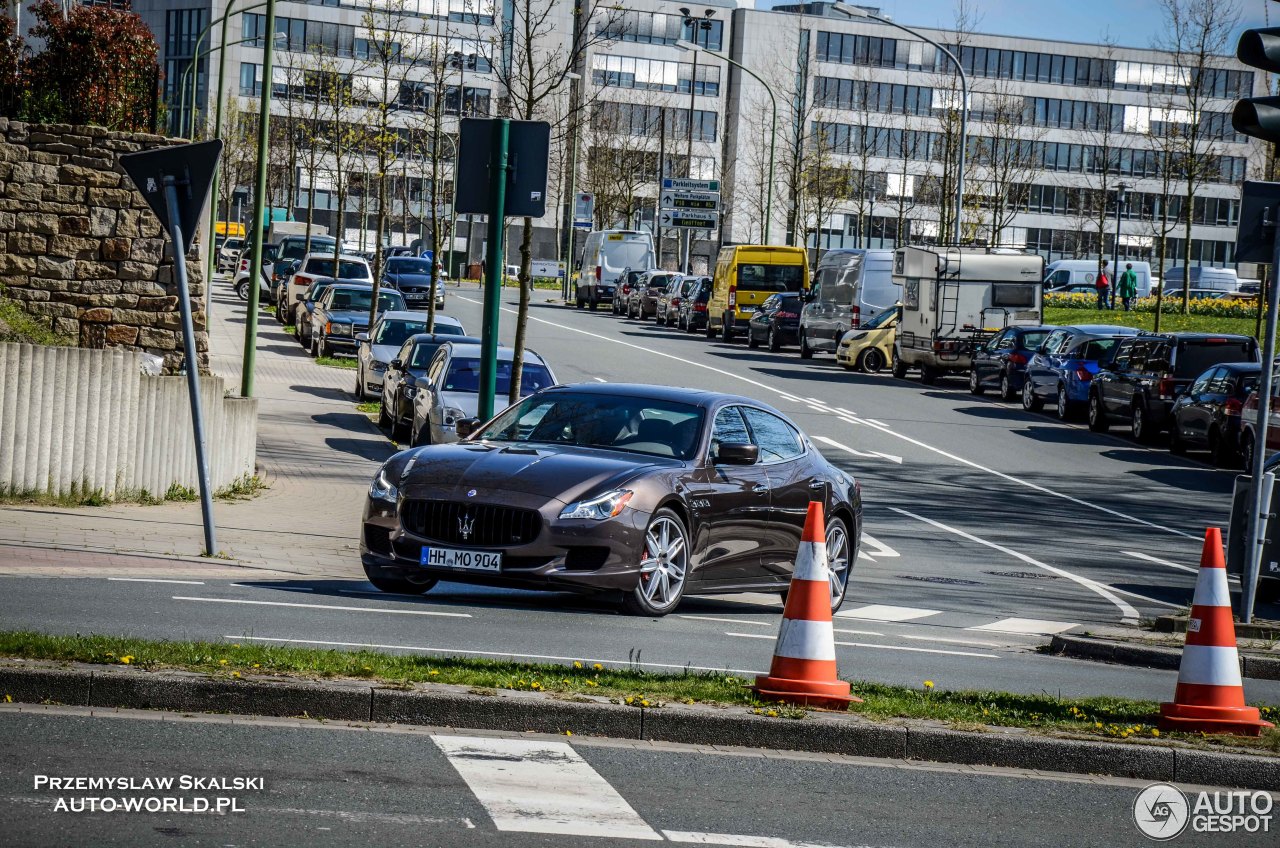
{"x": 1170, "y": 304}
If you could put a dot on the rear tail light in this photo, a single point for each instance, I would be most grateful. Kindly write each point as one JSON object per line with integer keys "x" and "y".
{"x": 1083, "y": 374}
{"x": 856, "y": 317}
{"x": 782, "y": 314}
{"x": 1166, "y": 388}
{"x": 597, "y": 273}
{"x": 1018, "y": 358}
{"x": 675, "y": 301}
{"x": 733, "y": 297}
{"x": 699, "y": 307}
{"x": 946, "y": 346}
{"x": 1233, "y": 406}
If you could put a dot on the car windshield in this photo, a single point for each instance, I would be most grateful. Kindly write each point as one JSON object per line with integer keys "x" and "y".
{"x": 881, "y": 319}
{"x": 396, "y": 332}
{"x": 1094, "y": 349}
{"x": 770, "y": 278}
{"x": 346, "y": 270}
{"x": 464, "y": 376}
{"x": 408, "y": 266}
{"x": 1033, "y": 340}
{"x": 359, "y": 300}
{"x": 1196, "y": 357}
{"x": 614, "y": 422}
{"x": 298, "y": 249}
{"x": 318, "y": 290}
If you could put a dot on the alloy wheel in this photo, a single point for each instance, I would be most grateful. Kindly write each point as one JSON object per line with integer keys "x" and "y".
{"x": 664, "y": 563}
{"x": 838, "y": 561}
{"x": 1064, "y": 404}
{"x": 873, "y": 361}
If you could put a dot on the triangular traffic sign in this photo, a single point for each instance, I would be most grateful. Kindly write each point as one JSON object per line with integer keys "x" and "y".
{"x": 191, "y": 166}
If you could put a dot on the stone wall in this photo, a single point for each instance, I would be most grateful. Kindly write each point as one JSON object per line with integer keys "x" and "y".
{"x": 80, "y": 247}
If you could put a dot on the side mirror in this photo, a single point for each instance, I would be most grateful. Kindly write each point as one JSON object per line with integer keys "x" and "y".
{"x": 301, "y": 296}
{"x": 397, "y": 364}
{"x": 464, "y": 427}
{"x": 737, "y": 453}
{"x": 362, "y": 337}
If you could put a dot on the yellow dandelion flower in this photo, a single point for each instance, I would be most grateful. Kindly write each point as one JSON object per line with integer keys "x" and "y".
{"x": 222, "y": 662}
{"x": 126, "y": 659}
{"x": 8, "y": 699}
{"x": 433, "y": 673}
{"x": 256, "y": 665}
{"x": 928, "y": 684}
{"x": 644, "y": 703}
{"x": 592, "y": 683}
{"x": 597, "y": 667}
{"x": 235, "y": 674}
{"x": 577, "y": 664}
{"x": 1155, "y": 732}
{"x": 568, "y": 733}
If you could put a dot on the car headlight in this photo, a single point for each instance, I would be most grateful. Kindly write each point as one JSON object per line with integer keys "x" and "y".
{"x": 378, "y": 367}
{"x": 599, "y": 508}
{"x": 340, "y": 329}
{"x": 452, "y": 415}
{"x": 409, "y": 392}
{"x": 382, "y": 489}
{"x": 853, "y": 337}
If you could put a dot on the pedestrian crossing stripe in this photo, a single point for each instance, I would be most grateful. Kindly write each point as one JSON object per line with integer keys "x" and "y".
{"x": 885, "y": 612}
{"x": 1026, "y": 626}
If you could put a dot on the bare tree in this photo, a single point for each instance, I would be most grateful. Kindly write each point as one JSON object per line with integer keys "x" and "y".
{"x": 1104, "y": 125}
{"x": 239, "y": 155}
{"x": 1197, "y": 33}
{"x": 827, "y": 181}
{"x": 533, "y": 68}
{"x": 1006, "y": 161}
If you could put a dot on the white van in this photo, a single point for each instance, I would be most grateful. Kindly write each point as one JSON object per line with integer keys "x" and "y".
{"x": 1083, "y": 272}
{"x": 1202, "y": 277}
{"x": 850, "y": 288}
{"x": 605, "y": 256}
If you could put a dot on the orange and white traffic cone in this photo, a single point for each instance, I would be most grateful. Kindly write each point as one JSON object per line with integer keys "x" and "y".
{"x": 1209, "y": 697}
{"x": 804, "y": 659}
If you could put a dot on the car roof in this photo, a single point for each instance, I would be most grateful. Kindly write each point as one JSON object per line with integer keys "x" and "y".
{"x": 328, "y": 254}
{"x": 696, "y": 397}
{"x": 1245, "y": 367}
{"x": 462, "y": 347}
{"x": 1195, "y": 337}
{"x": 417, "y": 315}
{"x": 443, "y": 337}
{"x": 1102, "y": 330}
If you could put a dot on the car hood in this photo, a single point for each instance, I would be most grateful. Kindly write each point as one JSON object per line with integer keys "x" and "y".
{"x": 410, "y": 279}
{"x": 360, "y": 317}
{"x": 383, "y": 353}
{"x": 555, "y": 472}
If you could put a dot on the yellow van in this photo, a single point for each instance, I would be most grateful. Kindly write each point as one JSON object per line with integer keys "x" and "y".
{"x": 745, "y": 275}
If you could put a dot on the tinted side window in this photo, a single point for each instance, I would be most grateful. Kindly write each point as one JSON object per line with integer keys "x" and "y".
{"x": 729, "y": 428}
{"x": 1123, "y": 354}
{"x": 777, "y": 440}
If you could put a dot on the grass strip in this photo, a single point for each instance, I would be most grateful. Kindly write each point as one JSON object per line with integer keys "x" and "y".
{"x": 1101, "y": 717}
{"x": 1175, "y": 322}
{"x": 338, "y": 362}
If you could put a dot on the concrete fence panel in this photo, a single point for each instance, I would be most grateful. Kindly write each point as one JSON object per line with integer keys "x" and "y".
{"x": 85, "y": 421}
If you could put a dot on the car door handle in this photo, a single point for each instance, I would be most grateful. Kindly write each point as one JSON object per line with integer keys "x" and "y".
{"x": 760, "y": 488}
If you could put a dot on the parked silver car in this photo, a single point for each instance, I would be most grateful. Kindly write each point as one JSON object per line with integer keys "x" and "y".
{"x": 380, "y": 346}
{"x": 451, "y": 391}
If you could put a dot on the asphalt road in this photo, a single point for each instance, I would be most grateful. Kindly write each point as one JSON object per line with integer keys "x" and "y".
{"x": 988, "y": 528}
{"x": 352, "y": 784}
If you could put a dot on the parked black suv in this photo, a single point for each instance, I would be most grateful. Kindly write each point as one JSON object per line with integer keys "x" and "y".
{"x": 1144, "y": 374}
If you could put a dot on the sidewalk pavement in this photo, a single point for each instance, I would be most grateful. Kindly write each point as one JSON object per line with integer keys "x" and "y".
{"x": 316, "y": 454}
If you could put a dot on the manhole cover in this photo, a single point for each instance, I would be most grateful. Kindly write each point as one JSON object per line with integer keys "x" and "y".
{"x": 1023, "y": 575}
{"x": 949, "y": 581}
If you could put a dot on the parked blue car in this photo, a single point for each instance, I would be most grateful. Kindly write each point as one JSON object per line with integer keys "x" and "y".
{"x": 1065, "y": 364}
{"x": 1002, "y": 361}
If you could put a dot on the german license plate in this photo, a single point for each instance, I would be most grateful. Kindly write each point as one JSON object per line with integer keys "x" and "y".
{"x": 465, "y": 560}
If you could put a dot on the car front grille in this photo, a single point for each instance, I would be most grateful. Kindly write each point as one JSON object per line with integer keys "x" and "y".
{"x": 471, "y": 524}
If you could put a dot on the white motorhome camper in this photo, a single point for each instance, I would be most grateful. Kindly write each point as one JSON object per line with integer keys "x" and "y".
{"x": 953, "y": 299}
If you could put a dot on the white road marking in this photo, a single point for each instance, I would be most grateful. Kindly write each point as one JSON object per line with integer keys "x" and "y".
{"x": 919, "y": 650}
{"x": 725, "y": 620}
{"x": 531, "y": 786}
{"x": 858, "y": 632}
{"x": 1128, "y": 614}
{"x": 321, "y": 606}
{"x": 968, "y": 642}
{"x": 155, "y": 580}
{"x": 426, "y": 649}
{"x": 600, "y": 379}
{"x": 864, "y": 555}
{"x": 815, "y": 400}
{"x": 1179, "y": 566}
{"x": 877, "y": 423}
{"x": 277, "y": 588}
{"x": 1025, "y": 626}
{"x": 856, "y": 452}
{"x": 885, "y": 612}
{"x": 694, "y": 837}
{"x": 1145, "y": 598}
{"x": 878, "y": 547}
{"x": 816, "y": 408}
{"x": 881, "y": 427}
{"x": 845, "y": 411}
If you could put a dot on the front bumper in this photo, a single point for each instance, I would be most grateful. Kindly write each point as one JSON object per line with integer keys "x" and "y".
{"x": 341, "y": 342}
{"x": 579, "y": 555}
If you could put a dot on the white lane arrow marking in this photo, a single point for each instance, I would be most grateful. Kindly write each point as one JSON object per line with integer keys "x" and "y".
{"x": 856, "y": 452}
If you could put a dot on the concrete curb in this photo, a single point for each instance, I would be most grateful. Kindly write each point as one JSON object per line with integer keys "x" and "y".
{"x": 1151, "y": 656}
{"x": 457, "y": 706}
{"x": 1256, "y": 630}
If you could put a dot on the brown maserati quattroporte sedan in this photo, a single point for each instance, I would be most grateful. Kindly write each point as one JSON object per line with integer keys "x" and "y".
{"x": 645, "y": 492}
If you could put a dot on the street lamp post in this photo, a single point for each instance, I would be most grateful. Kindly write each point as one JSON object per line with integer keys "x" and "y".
{"x": 858, "y": 12}
{"x": 773, "y": 132}
{"x": 695, "y": 24}
{"x": 460, "y": 61}
{"x": 575, "y": 98}
{"x": 259, "y": 203}
{"x": 1121, "y": 188}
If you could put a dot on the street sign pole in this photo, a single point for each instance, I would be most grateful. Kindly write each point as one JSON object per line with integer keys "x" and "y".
{"x": 1259, "y": 492}
{"x": 498, "y": 175}
{"x": 259, "y": 206}
{"x": 192, "y": 362}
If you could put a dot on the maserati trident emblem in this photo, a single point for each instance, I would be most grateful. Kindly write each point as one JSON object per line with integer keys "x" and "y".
{"x": 466, "y": 524}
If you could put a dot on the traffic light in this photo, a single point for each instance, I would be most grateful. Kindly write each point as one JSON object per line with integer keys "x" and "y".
{"x": 1259, "y": 116}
